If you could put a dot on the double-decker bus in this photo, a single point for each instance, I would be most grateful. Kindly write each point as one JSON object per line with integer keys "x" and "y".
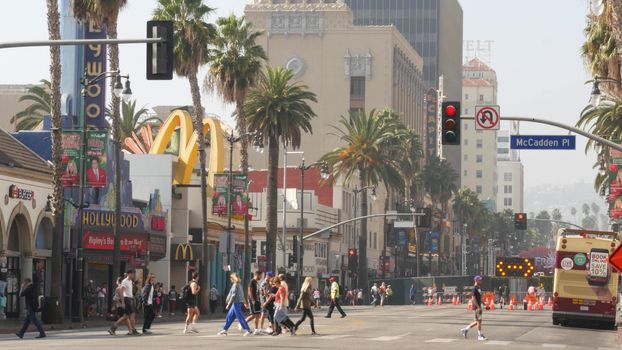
{"x": 585, "y": 286}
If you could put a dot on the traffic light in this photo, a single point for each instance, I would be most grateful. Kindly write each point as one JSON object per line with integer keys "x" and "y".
{"x": 253, "y": 250}
{"x": 451, "y": 123}
{"x": 291, "y": 260}
{"x": 423, "y": 220}
{"x": 160, "y": 55}
{"x": 520, "y": 221}
{"x": 295, "y": 248}
{"x": 514, "y": 267}
{"x": 352, "y": 260}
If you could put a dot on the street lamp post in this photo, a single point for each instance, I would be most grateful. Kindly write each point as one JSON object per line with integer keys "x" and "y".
{"x": 258, "y": 145}
{"x": 126, "y": 93}
{"x": 325, "y": 174}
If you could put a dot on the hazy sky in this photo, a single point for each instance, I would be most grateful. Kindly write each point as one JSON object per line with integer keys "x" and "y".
{"x": 535, "y": 53}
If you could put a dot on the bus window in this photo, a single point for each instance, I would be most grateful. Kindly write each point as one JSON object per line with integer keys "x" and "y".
{"x": 599, "y": 271}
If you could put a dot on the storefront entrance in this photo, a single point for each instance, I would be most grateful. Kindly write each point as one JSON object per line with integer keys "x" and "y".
{"x": 12, "y": 279}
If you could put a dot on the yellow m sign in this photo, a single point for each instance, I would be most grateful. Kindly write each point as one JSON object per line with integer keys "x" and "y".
{"x": 186, "y": 252}
{"x": 188, "y": 147}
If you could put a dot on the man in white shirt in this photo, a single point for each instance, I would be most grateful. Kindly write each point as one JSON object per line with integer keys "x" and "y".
{"x": 128, "y": 297}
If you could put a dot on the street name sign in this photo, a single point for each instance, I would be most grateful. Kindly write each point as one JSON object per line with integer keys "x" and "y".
{"x": 487, "y": 117}
{"x": 557, "y": 142}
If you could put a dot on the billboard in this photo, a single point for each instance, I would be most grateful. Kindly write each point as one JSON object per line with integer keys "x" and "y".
{"x": 96, "y": 148}
{"x": 238, "y": 198}
{"x": 94, "y": 65}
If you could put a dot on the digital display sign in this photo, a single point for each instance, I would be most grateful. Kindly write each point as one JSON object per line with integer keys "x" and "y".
{"x": 514, "y": 267}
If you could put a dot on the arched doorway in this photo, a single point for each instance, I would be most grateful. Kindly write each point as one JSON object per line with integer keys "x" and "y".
{"x": 18, "y": 260}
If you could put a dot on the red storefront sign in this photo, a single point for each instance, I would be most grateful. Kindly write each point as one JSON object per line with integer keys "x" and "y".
{"x": 158, "y": 223}
{"x": 105, "y": 241}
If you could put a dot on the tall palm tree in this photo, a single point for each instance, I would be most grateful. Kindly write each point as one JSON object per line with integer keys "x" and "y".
{"x": 53, "y": 17}
{"x": 278, "y": 109}
{"x": 40, "y": 105}
{"x": 192, "y": 35}
{"x": 440, "y": 181}
{"x": 236, "y": 61}
{"x": 105, "y": 14}
{"x": 368, "y": 141}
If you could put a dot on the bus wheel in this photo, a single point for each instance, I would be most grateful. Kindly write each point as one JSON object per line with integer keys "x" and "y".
{"x": 555, "y": 321}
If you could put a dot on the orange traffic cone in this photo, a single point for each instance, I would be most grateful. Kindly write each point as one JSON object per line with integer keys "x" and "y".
{"x": 430, "y": 301}
{"x": 530, "y": 306}
{"x": 470, "y": 305}
{"x": 511, "y": 306}
{"x": 492, "y": 305}
{"x": 550, "y": 302}
{"x": 440, "y": 301}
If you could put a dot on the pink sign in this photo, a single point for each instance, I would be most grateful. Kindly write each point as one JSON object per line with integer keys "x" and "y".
{"x": 105, "y": 241}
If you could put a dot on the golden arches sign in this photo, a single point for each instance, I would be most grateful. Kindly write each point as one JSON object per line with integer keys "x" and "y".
{"x": 188, "y": 147}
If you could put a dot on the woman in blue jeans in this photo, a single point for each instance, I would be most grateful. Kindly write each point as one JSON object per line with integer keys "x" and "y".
{"x": 235, "y": 300}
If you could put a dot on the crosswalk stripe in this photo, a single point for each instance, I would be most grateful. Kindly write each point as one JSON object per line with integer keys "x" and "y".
{"x": 498, "y": 342}
{"x": 387, "y": 338}
{"x": 335, "y": 336}
{"x": 558, "y": 346}
{"x": 440, "y": 340}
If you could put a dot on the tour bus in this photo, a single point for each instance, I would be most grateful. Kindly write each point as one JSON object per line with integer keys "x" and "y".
{"x": 585, "y": 286}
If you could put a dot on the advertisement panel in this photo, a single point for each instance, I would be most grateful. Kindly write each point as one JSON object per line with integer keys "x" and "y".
{"x": 70, "y": 159}
{"x": 238, "y": 197}
{"x": 96, "y": 149}
{"x": 614, "y": 180}
{"x": 431, "y": 103}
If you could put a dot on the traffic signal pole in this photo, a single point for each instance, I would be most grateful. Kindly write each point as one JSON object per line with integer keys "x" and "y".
{"x": 357, "y": 219}
{"x": 69, "y": 42}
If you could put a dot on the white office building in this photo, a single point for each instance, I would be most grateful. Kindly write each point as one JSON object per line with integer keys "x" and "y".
{"x": 510, "y": 169}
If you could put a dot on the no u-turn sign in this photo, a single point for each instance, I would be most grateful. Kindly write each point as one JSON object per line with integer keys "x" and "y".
{"x": 487, "y": 117}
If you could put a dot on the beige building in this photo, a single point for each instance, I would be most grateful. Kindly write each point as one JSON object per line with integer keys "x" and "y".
{"x": 10, "y": 105}
{"x": 479, "y": 147}
{"x": 349, "y": 67}
{"x": 511, "y": 173}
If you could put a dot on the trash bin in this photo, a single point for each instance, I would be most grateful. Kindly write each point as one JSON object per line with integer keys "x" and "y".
{"x": 50, "y": 311}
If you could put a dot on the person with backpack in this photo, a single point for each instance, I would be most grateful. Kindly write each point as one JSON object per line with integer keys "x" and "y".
{"x": 382, "y": 291}
{"x": 149, "y": 303}
{"x": 27, "y": 291}
{"x": 335, "y": 292}
{"x": 190, "y": 296}
{"x": 213, "y": 299}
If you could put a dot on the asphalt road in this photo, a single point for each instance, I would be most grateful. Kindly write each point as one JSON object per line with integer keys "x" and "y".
{"x": 391, "y": 327}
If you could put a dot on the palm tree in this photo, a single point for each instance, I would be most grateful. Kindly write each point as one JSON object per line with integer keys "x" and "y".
{"x": 131, "y": 119}
{"x": 369, "y": 139}
{"x": 278, "y": 109}
{"x": 39, "y": 97}
{"x": 235, "y": 64}
{"x": 105, "y": 14}
{"x": 53, "y": 17}
{"x": 440, "y": 181}
{"x": 192, "y": 35}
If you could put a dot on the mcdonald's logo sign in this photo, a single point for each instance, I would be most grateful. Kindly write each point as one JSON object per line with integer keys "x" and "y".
{"x": 188, "y": 149}
{"x": 186, "y": 252}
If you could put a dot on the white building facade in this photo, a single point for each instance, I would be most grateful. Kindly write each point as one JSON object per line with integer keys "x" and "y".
{"x": 511, "y": 174}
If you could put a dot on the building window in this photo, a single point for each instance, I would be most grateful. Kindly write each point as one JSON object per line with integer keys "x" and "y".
{"x": 466, "y": 126}
{"x": 466, "y": 142}
{"x": 481, "y": 98}
{"x": 465, "y": 173}
{"x": 507, "y": 176}
{"x": 507, "y": 202}
{"x": 466, "y": 111}
{"x": 466, "y": 96}
{"x": 478, "y": 174}
{"x": 478, "y": 189}
{"x": 466, "y": 157}
{"x": 357, "y": 88}
{"x": 507, "y": 188}
{"x": 479, "y": 158}
{"x": 480, "y": 143}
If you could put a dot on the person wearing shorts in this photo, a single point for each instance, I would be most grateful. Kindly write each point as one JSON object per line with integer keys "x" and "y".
{"x": 477, "y": 310}
{"x": 264, "y": 292}
{"x": 254, "y": 301}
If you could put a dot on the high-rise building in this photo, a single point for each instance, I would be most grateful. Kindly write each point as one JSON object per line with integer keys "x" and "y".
{"x": 479, "y": 147}
{"x": 349, "y": 67}
{"x": 510, "y": 181}
{"x": 434, "y": 29}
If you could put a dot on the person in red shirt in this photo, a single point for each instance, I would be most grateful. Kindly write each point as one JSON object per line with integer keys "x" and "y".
{"x": 96, "y": 176}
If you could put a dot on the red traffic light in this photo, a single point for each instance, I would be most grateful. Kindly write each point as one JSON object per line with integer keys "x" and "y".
{"x": 450, "y": 110}
{"x": 351, "y": 252}
{"x": 520, "y": 216}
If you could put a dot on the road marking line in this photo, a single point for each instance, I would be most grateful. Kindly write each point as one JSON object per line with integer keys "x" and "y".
{"x": 559, "y": 346}
{"x": 387, "y": 338}
{"x": 440, "y": 340}
{"x": 497, "y": 342}
{"x": 333, "y": 337}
